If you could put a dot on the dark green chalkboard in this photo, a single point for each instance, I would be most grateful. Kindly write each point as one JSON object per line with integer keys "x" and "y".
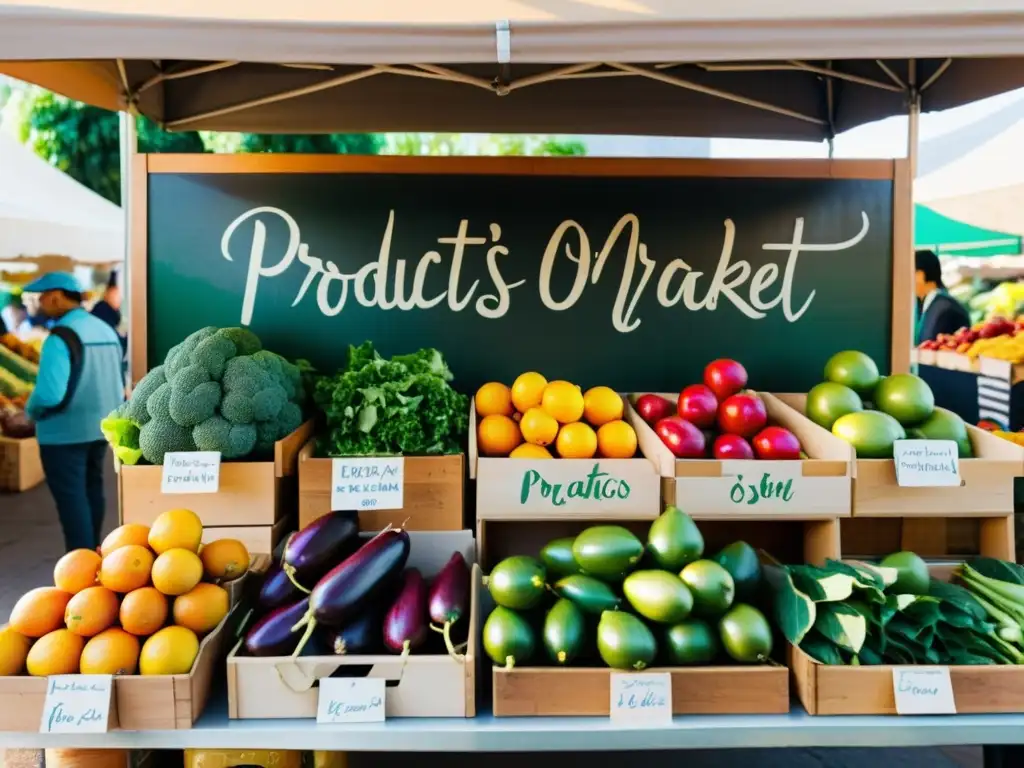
{"x": 342, "y": 219}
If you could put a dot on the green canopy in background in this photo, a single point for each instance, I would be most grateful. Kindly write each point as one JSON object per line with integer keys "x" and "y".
{"x": 948, "y": 236}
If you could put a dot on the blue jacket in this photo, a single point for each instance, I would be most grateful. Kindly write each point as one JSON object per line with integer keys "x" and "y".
{"x": 100, "y": 386}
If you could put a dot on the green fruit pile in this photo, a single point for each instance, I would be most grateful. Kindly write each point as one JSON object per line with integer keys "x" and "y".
{"x": 636, "y": 604}
{"x": 903, "y": 407}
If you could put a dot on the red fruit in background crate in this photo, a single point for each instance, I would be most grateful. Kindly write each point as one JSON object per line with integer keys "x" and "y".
{"x": 725, "y": 378}
{"x": 698, "y": 405}
{"x": 732, "y": 447}
{"x": 654, "y": 408}
{"x": 776, "y": 443}
{"x": 742, "y": 415}
{"x": 681, "y": 437}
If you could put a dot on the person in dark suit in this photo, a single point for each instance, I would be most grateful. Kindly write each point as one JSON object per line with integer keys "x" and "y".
{"x": 937, "y": 311}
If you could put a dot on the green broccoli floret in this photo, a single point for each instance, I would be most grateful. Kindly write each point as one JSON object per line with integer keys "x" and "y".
{"x": 238, "y": 408}
{"x": 158, "y": 403}
{"x": 180, "y": 356}
{"x": 232, "y": 440}
{"x": 285, "y": 373}
{"x": 251, "y": 393}
{"x": 269, "y": 432}
{"x": 194, "y": 398}
{"x": 135, "y": 409}
{"x": 162, "y": 436}
{"x": 244, "y": 376}
{"x": 246, "y": 342}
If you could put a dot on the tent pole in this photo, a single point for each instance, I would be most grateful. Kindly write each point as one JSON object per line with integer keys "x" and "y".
{"x": 129, "y": 146}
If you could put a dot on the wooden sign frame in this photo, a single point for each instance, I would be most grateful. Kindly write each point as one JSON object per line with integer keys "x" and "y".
{"x": 898, "y": 171}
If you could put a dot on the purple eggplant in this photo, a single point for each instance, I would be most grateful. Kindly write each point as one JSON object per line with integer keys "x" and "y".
{"x": 405, "y": 623}
{"x": 319, "y": 643}
{"x": 359, "y": 636}
{"x": 449, "y": 597}
{"x": 279, "y": 589}
{"x": 315, "y": 549}
{"x": 275, "y": 634}
{"x": 351, "y": 587}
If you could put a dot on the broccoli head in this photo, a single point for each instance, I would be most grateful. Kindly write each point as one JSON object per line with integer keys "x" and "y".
{"x": 135, "y": 408}
{"x": 233, "y": 441}
{"x": 161, "y": 436}
{"x": 269, "y": 432}
{"x": 158, "y": 403}
{"x": 194, "y": 398}
{"x": 246, "y": 342}
{"x": 181, "y": 355}
{"x": 251, "y": 392}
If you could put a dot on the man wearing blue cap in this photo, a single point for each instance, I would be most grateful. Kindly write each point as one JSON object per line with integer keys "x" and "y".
{"x": 79, "y": 383}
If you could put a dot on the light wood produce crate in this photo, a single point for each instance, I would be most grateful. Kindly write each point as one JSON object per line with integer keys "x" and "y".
{"x": 256, "y": 494}
{"x": 427, "y": 685}
{"x": 258, "y": 539}
{"x": 20, "y": 466}
{"x": 433, "y": 494}
{"x": 819, "y": 488}
{"x": 523, "y": 489}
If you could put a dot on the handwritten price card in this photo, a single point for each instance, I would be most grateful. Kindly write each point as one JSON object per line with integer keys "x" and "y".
{"x": 191, "y": 472}
{"x": 77, "y": 704}
{"x": 923, "y": 691}
{"x": 350, "y": 700}
{"x": 642, "y": 699}
{"x": 372, "y": 483}
{"x": 927, "y": 463}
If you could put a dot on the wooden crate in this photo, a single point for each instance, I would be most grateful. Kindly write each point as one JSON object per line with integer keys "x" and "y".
{"x": 519, "y": 489}
{"x": 817, "y": 488}
{"x": 425, "y": 685}
{"x": 258, "y": 539}
{"x": 433, "y": 495}
{"x": 20, "y": 465}
{"x": 252, "y": 493}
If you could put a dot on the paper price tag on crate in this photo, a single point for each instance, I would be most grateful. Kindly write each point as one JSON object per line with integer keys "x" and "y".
{"x": 351, "y": 700}
{"x": 923, "y": 691}
{"x": 927, "y": 463}
{"x": 640, "y": 699}
{"x": 77, "y": 704}
{"x": 368, "y": 483}
{"x": 191, "y": 472}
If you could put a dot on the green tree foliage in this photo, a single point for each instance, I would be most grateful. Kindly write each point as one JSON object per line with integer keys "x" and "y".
{"x": 319, "y": 144}
{"x": 497, "y": 144}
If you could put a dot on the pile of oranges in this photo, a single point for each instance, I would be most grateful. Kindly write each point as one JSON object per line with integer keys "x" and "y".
{"x": 140, "y": 604}
{"x": 536, "y": 416}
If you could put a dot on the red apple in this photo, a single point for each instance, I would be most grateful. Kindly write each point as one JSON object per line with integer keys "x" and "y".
{"x": 776, "y": 443}
{"x": 725, "y": 378}
{"x": 742, "y": 415}
{"x": 732, "y": 447}
{"x": 654, "y": 408}
{"x": 698, "y": 405}
{"x": 682, "y": 438}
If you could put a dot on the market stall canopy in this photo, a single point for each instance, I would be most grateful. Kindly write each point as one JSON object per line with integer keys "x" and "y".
{"x": 44, "y": 211}
{"x": 948, "y": 236}
{"x": 795, "y": 69}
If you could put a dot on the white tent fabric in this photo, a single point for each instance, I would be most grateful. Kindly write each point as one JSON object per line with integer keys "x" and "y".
{"x": 43, "y": 211}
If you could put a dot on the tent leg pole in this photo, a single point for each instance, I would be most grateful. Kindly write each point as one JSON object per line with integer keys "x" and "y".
{"x": 913, "y": 121}
{"x": 129, "y": 146}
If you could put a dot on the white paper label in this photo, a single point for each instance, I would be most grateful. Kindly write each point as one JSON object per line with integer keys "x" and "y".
{"x": 77, "y": 704}
{"x": 927, "y": 463}
{"x": 191, "y": 472}
{"x": 371, "y": 483}
{"x": 641, "y": 698}
{"x": 923, "y": 691}
{"x": 351, "y": 700}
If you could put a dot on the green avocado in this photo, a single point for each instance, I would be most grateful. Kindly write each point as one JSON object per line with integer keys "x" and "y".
{"x": 827, "y": 401}
{"x": 905, "y": 397}
{"x": 746, "y": 634}
{"x": 625, "y": 642}
{"x": 517, "y": 582}
{"x": 711, "y": 585}
{"x": 871, "y": 433}
{"x": 508, "y": 638}
{"x": 674, "y": 540}
{"x": 743, "y": 564}
{"x": 607, "y": 551}
{"x": 693, "y": 641}
{"x": 912, "y": 577}
{"x": 557, "y": 558}
{"x": 564, "y": 630}
{"x": 658, "y": 596}
{"x": 589, "y": 594}
{"x": 944, "y": 425}
{"x": 853, "y": 369}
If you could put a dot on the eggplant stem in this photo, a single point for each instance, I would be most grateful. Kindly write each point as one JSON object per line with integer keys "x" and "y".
{"x": 461, "y": 646}
{"x": 289, "y": 571}
{"x": 448, "y": 643}
{"x": 510, "y": 661}
{"x": 436, "y": 628}
{"x": 404, "y": 523}
{"x": 310, "y": 626}
{"x": 242, "y": 624}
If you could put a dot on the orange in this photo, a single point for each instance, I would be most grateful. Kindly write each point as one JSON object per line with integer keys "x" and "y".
{"x": 538, "y": 427}
{"x": 528, "y": 451}
{"x": 493, "y": 399}
{"x": 563, "y": 401}
{"x": 177, "y": 571}
{"x": 143, "y": 611}
{"x": 91, "y": 611}
{"x": 176, "y": 529}
{"x": 224, "y": 559}
{"x": 616, "y": 440}
{"x": 171, "y": 651}
{"x": 576, "y": 441}
{"x": 527, "y": 391}
{"x": 129, "y": 533}
{"x": 77, "y": 570}
{"x": 601, "y": 405}
{"x": 126, "y": 568}
{"x": 111, "y": 652}
{"x": 497, "y": 435}
{"x": 55, "y": 653}
{"x": 39, "y": 611}
{"x": 202, "y": 609}
{"x": 13, "y": 651}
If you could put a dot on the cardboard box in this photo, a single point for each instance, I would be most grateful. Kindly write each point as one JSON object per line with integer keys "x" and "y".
{"x": 20, "y": 465}
{"x": 433, "y": 493}
{"x": 818, "y": 488}
{"x": 424, "y": 685}
{"x": 252, "y": 493}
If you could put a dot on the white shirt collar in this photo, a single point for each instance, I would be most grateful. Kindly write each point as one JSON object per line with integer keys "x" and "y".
{"x": 928, "y": 300}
